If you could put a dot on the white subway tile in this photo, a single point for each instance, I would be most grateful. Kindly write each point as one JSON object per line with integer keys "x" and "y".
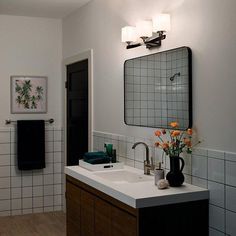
{"x": 49, "y": 157}
{"x": 49, "y": 136}
{"x": 49, "y": 147}
{"x": 16, "y": 204}
{"x": 57, "y": 189}
{"x": 216, "y": 170}
{"x": 48, "y": 179}
{"x": 4, "y": 148}
{"x": 15, "y": 193}
{"x": 199, "y": 182}
{"x": 213, "y": 232}
{"x": 57, "y": 146}
{"x": 48, "y": 190}
{"x": 216, "y": 193}
{"x": 5, "y": 194}
{"x": 5, "y": 160}
{"x": 57, "y": 178}
{"x": 231, "y": 198}
{"x": 16, "y": 181}
{"x": 5, "y": 205}
{"x": 37, "y": 180}
{"x": 5, "y": 171}
{"x": 48, "y": 209}
{"x": 187, "y": 178}
{"x": 57, "y": 135}
{"x": 216, "y": 218}
{"x": 57, "y": 157}
{"x": 27, "y": 203}
{"x": 230, "y": 156}
{"x": 230, "y": 173}
{"x": 37, "y": 202}
{"x": 37, "y": 191}
{"x": 129, "y": 162}
{"x": 5, "y": 213}
{"x": 138, "y": 165}
{"x": 199, "y": 152}
{"x": 13, "y": 148}
{"x": 13, "y": 160}
{"x": 13, "y": 136}
{"x": 57, "y": 208}
{"x": 38, "y": 210}
{"x": 57, "y": 200}
{"x": 230, "y": 223}
{"x": 140, "y": 153}
{"x": 27, "y": 192}
{"x": 57, "y": 168}
{"x": 15, "y": 171}
{"x": 5, "y": 137}
{"x": 130, "y": 151}
{"x": 16, "y": 212}
{"x": 216, "y": 154}
{"x": 48, "y": 201}
{"x": 48, "y": 169}
{"x": 27, "y": 211}
{"x": 27, "y": 181}
{"x": 199, "y": 166}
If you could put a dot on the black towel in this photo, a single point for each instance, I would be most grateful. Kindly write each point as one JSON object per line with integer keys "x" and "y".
{"x": 31, "y": 144}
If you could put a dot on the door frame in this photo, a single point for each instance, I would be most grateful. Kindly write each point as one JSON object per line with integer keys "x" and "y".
{"x": 67, "y": 61}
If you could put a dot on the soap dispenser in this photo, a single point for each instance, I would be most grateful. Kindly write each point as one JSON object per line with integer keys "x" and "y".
{"x": 110, "y": 152}
{"x": 158, "y": 173}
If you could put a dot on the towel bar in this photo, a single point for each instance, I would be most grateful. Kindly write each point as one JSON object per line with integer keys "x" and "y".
{"x": 7, "y": 122}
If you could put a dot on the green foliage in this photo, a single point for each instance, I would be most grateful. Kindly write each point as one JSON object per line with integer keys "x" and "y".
{"x": 25, "y": 96}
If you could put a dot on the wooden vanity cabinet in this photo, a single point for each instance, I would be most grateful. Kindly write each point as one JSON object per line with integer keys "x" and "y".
{"x": 93, "y": 213}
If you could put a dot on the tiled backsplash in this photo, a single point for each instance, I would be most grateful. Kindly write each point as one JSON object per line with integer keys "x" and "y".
{"x": 215, "y": 170}
{"x": 23, "y": 192}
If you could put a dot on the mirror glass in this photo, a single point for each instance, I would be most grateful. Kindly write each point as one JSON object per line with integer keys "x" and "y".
{"x": 158, "y": 89}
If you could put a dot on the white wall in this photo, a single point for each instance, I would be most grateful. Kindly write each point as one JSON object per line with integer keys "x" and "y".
{"x": 30, "y": 46}
{"x": 207, "y": 27}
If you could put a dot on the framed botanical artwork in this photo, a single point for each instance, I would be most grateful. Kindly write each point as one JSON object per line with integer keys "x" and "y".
{"x": 28, "y": 94}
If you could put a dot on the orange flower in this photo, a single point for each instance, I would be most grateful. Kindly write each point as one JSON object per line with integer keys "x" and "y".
{"x": 165, "y": 145}
{"x": 157, "y": 144}
{"x": 187, "y": 142}
{"x": 174, "y": 124}
{"x": 158, "y": 133}
{"x": 175, "y": 133}
{"x": 189, "y": 131}
{"x": 163, "y": 131}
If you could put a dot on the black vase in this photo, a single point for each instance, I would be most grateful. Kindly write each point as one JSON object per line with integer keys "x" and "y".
{"x": 175, "y": 175}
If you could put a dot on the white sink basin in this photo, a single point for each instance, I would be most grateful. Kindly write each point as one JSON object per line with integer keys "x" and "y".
{"x": 123, "y": 176}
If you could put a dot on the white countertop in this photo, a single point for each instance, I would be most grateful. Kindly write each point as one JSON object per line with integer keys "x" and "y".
{"x": 141, "y": 194}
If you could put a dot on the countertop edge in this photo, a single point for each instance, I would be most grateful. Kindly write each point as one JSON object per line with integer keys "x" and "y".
{"x": 142, "y": 202}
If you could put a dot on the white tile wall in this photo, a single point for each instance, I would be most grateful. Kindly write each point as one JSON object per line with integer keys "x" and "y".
{"x": 212, "y": 169}
{"x": 230, "y": 223}
{"x": 23, "y": 192}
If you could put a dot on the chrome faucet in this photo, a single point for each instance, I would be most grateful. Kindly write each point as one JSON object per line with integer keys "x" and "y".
{"x": 147, "y": 165}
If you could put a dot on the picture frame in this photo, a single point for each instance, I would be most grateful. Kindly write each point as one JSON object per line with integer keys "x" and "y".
{"x": 28, "y": 94}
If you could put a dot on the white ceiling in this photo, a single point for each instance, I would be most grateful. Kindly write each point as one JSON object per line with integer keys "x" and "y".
{"x": 40, "y": 8}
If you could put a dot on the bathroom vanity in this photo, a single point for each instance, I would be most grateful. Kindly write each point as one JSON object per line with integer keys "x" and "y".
{"x": 127, "y": 203}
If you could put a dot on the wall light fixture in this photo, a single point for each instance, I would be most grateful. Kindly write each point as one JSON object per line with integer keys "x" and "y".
{"x": 151, "y": 32}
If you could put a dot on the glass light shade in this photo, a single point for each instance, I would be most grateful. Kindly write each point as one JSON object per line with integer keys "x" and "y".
{"x": 144, "y": 28}
{"x": 161, "y": 23}
{"x": 128, "y": 34}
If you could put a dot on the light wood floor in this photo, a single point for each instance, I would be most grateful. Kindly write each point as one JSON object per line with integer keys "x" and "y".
{"x": 41, "y": 224}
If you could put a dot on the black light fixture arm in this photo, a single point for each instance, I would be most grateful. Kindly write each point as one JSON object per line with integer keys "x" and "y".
{"x": 151, "y": 42}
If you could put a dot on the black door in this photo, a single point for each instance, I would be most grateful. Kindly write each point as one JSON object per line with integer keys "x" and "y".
{"x": 77, "y": 111}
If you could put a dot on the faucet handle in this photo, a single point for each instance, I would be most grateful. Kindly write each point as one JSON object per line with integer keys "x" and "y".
{"x": 152, "y": 163}
{"x": 147, "y": 167}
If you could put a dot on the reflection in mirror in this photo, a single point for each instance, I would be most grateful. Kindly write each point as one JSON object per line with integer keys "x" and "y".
{"x": 158, "y": 89}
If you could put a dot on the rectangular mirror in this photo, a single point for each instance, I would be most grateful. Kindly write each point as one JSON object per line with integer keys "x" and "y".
{"x": 158, "y": 89}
